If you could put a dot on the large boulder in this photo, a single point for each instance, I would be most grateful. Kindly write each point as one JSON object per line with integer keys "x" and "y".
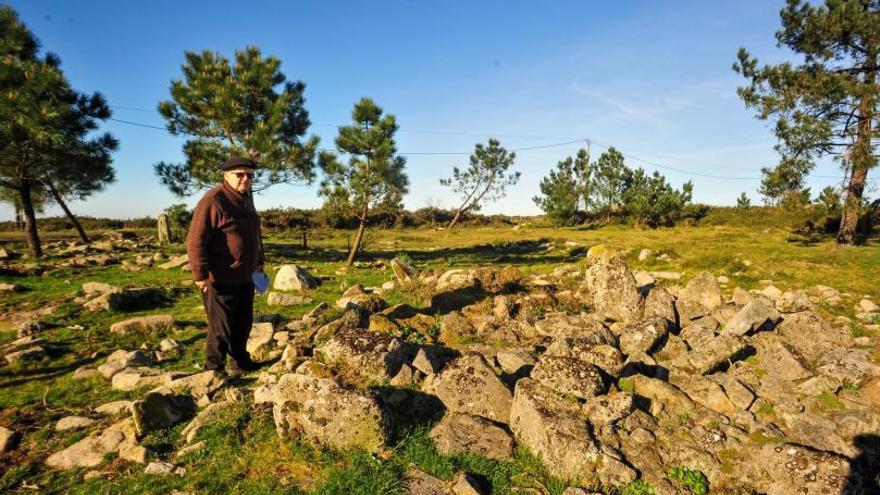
{"x": 321, "y": 411}
{"x": 282, "y": 299}
{"x": 159, "y": 410}
{"x": 613, "y": 290}
{"x": 586, "y": 327}
{"x": 117, "y": 299}
{"x": 468, "y": 385}
{"x": 785, "y": 469}
{"x": 606, "y": 357}
{"x": 153, "y": 324}
{"x": 776, "y": 358}
{"x": 608, "y": 409}
{"x": 260, "y": 338}
{"x": 121, "y": 359}
{"x": 569, "y": 376}
{"x": 175, "y": 262}
{"x": 553, "y": 427}
{"x": 73, "y": 423}
{"x": 465, "y": 434}
{"x": 661, "y": 303}
{"x": 457, "y": 279}
{"x": 34, "y": 353}
{"x": 8, "y": 439}
{"x": 810, "y": 335}
{"x": 716, "y": 355}
{"x": 415, "y": 482}
{"x": 643, "y": 337}
{"x": 293, "y": 277}
{"x": 197, "y": 384}
{"x": 91, "y": 450}
{"x": 753, "y": 317}
{"x": 701, "y": 296}
{"x": 662, "y": 396}
{"x": 371, "y": 355}
{"x": 134, "y": 378}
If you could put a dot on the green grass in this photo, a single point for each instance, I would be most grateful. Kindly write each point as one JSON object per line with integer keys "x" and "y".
{"x": 244, "y": 454}
{"x": 830, "y": 401}
{"x": 694, "y": 480}
{"x": 638, "y": 487}
{"x": 525, "y": 470}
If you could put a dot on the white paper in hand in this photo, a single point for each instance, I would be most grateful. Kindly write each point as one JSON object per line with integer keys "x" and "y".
{"x": 261, "y": 282}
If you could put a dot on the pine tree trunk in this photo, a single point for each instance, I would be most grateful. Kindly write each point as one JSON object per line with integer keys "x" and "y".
{"x": 30, "y": 220}
{"x": 853, "y": 206}
{"x": 862, "y": 159}
{"x": 357, "y": 242}
{"x": 454, "y": 219}
{"x": 70, "y": 216}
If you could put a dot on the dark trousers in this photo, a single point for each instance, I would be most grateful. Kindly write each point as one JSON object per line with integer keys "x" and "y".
{"x": 230, "y": 310}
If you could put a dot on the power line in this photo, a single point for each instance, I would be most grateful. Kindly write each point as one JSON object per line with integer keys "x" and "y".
{"x": 687, "y": 172}
{"x": 700, "y": 174}
{"x": 532, "y": 148}
{"x": 148, "y": 126}
{"x": 529, "y": 148}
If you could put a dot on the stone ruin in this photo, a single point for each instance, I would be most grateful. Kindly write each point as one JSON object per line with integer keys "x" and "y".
{"x": 605, "y": 375}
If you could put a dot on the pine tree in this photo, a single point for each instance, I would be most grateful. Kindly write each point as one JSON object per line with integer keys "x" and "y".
{"x": 583, "y": 175}
{"x": 245, "y": 108}
{"x": 46, "y": 146}
{"x": 784, "y": 184}
{"x": 830, "y": 201}
{"x": 374, "y": 175}
{"x": 610, "y": 178}
{"x": 743, "y": 201}
{"x": 826, "y": 105}
{"x": 650, "y": 200}
{"x": 559, "y": 191}
{"x": 484, "y": 180}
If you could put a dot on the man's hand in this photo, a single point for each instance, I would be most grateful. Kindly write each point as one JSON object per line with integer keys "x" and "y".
{"x": 203, "y": 285}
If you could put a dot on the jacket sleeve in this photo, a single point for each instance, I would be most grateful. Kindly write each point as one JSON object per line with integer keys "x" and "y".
{"x": 260, "y": 237}
{"x": 198, "y": 239}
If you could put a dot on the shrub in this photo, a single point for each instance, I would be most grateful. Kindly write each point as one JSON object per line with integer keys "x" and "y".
{"x": 693, "y": 480}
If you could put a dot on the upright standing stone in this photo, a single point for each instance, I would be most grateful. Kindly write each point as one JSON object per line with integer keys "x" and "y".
{"x": 163, "y": 228}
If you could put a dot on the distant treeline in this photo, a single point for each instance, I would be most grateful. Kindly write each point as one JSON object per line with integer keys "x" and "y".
{"x": 812, "y": 217}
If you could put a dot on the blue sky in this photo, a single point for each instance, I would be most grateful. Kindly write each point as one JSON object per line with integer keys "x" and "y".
{"x": 653, "y": 79}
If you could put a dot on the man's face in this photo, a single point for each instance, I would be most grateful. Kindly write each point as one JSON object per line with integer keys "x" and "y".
{"x": 239, "y": 178}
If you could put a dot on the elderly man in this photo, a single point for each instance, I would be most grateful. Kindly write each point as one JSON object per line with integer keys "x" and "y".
{"x": 224, "y": 250}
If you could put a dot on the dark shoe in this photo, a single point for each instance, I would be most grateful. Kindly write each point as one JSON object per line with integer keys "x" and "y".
{"x": 247, "y": 365}
{"x": 212, "y": 367}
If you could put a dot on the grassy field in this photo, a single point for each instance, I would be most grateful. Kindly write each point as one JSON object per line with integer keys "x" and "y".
{"x": 243, "y": 454}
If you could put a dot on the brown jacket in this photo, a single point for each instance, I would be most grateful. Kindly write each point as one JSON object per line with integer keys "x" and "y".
{"x": 223, "y": 244}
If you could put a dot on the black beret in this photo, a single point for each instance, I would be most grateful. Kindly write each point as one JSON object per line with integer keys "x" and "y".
{"x": 237, "y": 161}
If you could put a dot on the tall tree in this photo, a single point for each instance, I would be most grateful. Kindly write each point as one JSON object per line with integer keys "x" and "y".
{"x": 45, "y": 127}
{"x": 610, "y": 178}
{"x": 565, "y": 188}
{"x": 583, "y": 175}
{"x": 650, "y": 200}
{"x": 785, "y": 184}
{"x": 484, "y": 180}
{"x": 826, "y": 105}
{"x": 373, "y": 177}
{"x": 559, "y": 194}
{"x": 248, "y": 108}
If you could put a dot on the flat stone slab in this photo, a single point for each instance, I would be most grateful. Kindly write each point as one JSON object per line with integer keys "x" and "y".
{"x": 461, "y": 433}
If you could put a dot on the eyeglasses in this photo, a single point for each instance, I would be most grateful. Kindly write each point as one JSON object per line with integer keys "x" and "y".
{"x": 242, "y": 175}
